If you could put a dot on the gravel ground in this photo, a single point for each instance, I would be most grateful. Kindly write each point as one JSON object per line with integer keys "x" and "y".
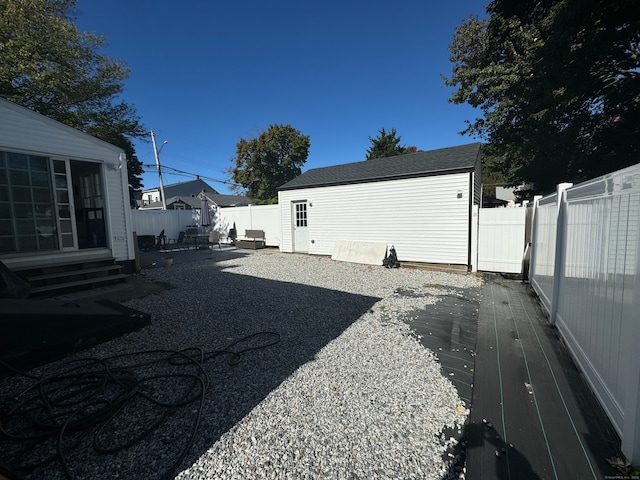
{"x": 298, "y": 367}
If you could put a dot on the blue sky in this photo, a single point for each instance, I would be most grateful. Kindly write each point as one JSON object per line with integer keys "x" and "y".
{"x": 206, "y": 73}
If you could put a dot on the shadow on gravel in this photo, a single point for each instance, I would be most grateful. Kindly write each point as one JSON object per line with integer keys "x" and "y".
{"x": 151, "y": 414}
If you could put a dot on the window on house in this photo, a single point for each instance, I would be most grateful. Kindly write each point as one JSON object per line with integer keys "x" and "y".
{"x": 301, "y": 214}
{"x": 27, "y": 218}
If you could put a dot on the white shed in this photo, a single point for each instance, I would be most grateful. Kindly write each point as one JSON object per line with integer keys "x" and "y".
{"x": 64, "y": 194}
{"x": 421, "y": 203}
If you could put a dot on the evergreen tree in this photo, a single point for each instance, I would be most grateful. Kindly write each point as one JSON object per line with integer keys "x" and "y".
{"x": 386, "y": 144}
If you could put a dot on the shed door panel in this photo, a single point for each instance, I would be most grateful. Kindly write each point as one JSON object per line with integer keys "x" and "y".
{"x": 300, "y": 226}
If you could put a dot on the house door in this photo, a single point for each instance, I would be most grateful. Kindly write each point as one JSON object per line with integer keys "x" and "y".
{"x": 300, "y": 227}
{"x": 88, "y": 199}
{"x": 79, "y": 204}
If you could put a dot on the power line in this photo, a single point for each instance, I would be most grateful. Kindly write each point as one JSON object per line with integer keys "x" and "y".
{"x": 177, "y": 171}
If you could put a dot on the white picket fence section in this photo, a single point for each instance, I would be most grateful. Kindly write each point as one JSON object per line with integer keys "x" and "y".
{"x": 501, "y": 239}
{"x": 585, "y": 269}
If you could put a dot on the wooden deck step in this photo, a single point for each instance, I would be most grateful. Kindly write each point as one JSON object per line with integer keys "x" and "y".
{"x": 49, "y": 276}
{"x": 72, "y": 276}
{"x": 78, "y": 283}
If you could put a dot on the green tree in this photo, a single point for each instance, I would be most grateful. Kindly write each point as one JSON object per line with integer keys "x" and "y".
{"x": 491, "y": 179}
{"x": 134, "y": 165}
{"x": 264, "y": 163}
{"x": 49, "y": 66}
{"x": 558, "y": 83}
{"x": 386, "y": 144}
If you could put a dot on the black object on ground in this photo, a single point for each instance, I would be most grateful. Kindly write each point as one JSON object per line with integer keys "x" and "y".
{"x": 11, "y": 285}
{"x": 391, "y": 260}
{"x": 34, "y": 332}
{"x": 112, "y": 406}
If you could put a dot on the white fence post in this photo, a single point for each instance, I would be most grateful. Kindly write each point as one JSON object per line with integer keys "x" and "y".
{"x": 532, "y": 258}
{"x": 474, "y": 238}
{"x": 560, "y": 248}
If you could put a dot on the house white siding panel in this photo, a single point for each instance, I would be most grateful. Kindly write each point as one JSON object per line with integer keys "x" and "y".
{"x": 118, "y": 214}
{"x": 284, "y": 200}
{"x": 426, "y": 219}
{"x": 22, "y": 130}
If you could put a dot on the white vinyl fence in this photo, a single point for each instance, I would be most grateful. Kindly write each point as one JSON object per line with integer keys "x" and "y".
{"x": 585, "y": 269}
{"x": 152, "y": 222}
{"x": 252, "y": 217}
{"x": 501, "y": 239}
{"x": 543, "y": 254}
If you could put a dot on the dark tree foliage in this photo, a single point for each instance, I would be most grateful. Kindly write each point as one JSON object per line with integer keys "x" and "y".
{"x": 134, "y": 165}
{"x": 558, "y": 82}
{"x": 48, "y": 66}
{"x": 272, "y": 159}
{"x": 386, "y": 144}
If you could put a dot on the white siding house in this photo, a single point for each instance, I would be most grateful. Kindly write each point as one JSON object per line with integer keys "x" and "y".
{"x": 63, "y": 194}
{"x": 419, "y": 202}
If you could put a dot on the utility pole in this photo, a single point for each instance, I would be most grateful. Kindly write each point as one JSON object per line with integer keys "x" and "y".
{"x": 157, "y": 153}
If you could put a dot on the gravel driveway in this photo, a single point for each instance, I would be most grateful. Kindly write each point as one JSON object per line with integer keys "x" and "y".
{"x": 292, "y": 366}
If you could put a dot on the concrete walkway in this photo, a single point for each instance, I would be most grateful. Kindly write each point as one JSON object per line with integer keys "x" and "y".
{"x": 533, "y": 415}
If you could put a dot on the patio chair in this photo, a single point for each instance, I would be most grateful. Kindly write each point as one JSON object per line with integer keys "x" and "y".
{"x": 173, "y": 244}
{"x": 192, "y": 234}
{"x": 214, "y": 238}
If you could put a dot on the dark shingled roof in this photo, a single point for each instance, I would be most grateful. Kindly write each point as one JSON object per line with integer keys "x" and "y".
{"x": 462, "y": 158}
{"x": 195, "y": 201}
{"x": 229, "y": 200}
{"x": 185, "y": 189}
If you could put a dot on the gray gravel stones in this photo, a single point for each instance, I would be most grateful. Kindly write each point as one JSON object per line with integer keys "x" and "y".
{"x": 348, "y": 392}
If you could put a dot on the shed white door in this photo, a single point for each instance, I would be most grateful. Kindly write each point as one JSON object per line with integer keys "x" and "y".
{"x": 501, "y": 239}
{"x": 300, "y": 227}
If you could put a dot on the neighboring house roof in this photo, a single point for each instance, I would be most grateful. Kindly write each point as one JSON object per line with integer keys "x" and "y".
{"x": 185, "y": 189}
{"x": 195, "y": 202}
{"x": 463, "y": 158}
{"x": 229, "y": 200}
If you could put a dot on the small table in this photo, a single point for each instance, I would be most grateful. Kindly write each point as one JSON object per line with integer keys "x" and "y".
{"x": 195, "y": 236}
